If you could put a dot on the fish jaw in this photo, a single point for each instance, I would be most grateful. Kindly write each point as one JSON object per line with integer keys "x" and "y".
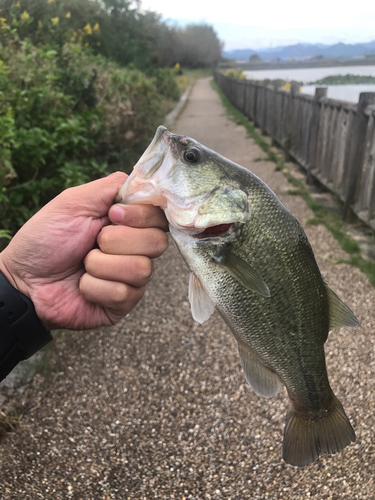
{"x": 180, "y": 213}
{"x": 149, "y": 182}
{"x": 141, "y": 185}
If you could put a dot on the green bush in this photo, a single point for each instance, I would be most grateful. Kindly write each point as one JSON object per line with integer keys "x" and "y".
{"x": 166, "y": 83}
{"x": 66, "y": 117}
{"x": 235, "y": 73}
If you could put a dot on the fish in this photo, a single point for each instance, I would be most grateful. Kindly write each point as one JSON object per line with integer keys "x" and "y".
{"x": 250, "y": 259}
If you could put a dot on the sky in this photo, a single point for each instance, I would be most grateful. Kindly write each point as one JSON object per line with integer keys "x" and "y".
{"x": 269, "y": 23}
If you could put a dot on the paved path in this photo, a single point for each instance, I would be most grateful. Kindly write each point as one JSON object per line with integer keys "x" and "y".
{"x": 157, "y": 407}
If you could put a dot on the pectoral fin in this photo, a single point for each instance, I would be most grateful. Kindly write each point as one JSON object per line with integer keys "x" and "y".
{"x": 261, "y": 379}
{"x": 245, "y": 274}
{"x": 201, "y": 305}
{"x": 339, "y": 313}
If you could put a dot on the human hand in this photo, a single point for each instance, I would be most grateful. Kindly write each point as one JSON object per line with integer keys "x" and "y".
{"x": 73, "y": 285}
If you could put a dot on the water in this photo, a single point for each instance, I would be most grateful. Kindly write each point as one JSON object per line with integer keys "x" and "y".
{"x": 306, "y": 75}
{"x": 342, "y": 92}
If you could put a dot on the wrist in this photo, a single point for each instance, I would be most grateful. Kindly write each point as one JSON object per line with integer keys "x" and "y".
{"x": 20, "y": 285}
{"x": 13, "y": 279}
{"x": 5, "y": 271}
{"x": 21, "y": 331}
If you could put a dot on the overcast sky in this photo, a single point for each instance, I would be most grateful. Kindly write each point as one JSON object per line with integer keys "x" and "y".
{"x": 255, "y": 24}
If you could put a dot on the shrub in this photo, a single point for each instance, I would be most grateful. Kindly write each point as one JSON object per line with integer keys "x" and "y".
{"x": 235, "y": 73}
{"x": 66, "y": 117}
{"x": 165, "y": 82}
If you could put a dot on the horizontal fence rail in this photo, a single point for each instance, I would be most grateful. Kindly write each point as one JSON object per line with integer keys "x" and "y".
{"x": 334, "y": 141}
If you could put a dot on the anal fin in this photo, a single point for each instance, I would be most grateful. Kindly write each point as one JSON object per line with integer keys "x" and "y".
{"x": 261, "y": 379}
{"x": 201, "y": 305}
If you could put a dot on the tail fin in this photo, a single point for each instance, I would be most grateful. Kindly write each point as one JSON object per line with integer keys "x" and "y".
{"x": 305, "y": 439}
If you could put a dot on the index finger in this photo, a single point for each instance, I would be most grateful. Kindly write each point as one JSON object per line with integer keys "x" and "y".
{"x": 138, "y": 216}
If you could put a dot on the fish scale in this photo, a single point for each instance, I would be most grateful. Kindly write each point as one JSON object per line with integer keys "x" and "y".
{"x": 263, "y": 323}
{"x": 251, "y": 260}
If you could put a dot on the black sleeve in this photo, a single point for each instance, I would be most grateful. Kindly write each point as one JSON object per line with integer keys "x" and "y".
{"x": 21, "y": 332}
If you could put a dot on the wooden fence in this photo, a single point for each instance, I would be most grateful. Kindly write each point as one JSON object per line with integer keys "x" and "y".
{"x": 334, "y": 141}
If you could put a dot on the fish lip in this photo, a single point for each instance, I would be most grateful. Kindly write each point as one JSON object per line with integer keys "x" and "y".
{"x": 166, "y": 136}
{"x": 151, "y": 160}
{"x": 160, "y": 133}
{"x": 189, "y": 238}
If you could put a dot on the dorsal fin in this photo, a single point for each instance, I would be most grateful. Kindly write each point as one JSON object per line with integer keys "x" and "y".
{"x": 339, "y": 313}
{"x": 245, "y": 274}
{"x": 201, "y": 305}
{"x": 261, "y": 379}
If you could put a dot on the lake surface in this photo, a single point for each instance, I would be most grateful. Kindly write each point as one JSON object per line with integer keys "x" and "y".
{"x": 306, "y": 75}
{"x": 342, "y": 92}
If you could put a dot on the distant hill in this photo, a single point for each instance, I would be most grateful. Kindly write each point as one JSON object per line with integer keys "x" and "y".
{"x": 304, "y": 50}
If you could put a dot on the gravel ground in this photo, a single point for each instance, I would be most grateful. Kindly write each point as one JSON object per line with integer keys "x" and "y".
{"x": 158, "y": 408}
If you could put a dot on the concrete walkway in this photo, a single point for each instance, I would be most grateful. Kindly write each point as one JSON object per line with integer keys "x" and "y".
{"x": 158, "y": 408}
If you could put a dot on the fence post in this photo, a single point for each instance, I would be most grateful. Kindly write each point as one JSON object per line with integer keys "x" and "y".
{"x": 257, "y": 94}
{"x": 277, "y": 84}
{"x": 294, "y": 89}
{"x": 244, "y": 97}
{"x": 357, "y": 148}
{"x": 263, "y": 114}
{"x": 315, "y": 119}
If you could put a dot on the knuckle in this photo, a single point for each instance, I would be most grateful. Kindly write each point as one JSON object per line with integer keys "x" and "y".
{"x": 90, "y": 259}
{"x": 118, "y": 176}
{"x": 125, "y": 298}
{"x": 161, "y": 242}
{"x": 120, "y": 294}
{"x": 83, "y": 283}
{"x": 145, "y": 268}
{"x": 104, "y": 237}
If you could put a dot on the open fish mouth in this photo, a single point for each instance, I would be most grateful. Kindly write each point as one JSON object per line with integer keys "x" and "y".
{"x": 214, "y": 231}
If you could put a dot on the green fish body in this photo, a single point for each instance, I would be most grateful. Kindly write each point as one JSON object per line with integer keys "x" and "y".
{"x": 250, "y": 259}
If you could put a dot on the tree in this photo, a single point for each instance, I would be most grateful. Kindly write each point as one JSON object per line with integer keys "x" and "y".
{"x": 195, "y": 46}
{"x": 116, "y": 29}
{"x": 254, "y": 58}
{"x": 201, "y": 46}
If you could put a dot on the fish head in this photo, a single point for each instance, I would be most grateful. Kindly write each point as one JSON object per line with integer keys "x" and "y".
{"x": 191, "y": 183}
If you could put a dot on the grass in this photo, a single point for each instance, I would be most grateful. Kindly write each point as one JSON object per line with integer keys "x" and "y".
{"x": 261, "y": 159}
{"x": 331, "y": 221}
{"x": 9, "y": 422}
{"x": 41, "y": 363}
{"x": 189, "y": 76}
{"x": 347, "y": 79}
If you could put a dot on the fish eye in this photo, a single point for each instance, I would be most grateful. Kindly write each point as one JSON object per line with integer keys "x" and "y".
{"x": 192, "y": 155}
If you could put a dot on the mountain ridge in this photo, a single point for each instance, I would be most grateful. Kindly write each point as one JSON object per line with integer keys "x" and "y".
{"x": 305, "y": 50}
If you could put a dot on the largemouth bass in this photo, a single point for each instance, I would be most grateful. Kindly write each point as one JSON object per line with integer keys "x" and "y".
{"x": 250, "y": 259}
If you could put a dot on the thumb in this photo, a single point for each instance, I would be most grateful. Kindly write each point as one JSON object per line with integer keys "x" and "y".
{"x": 98, "y": 196}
